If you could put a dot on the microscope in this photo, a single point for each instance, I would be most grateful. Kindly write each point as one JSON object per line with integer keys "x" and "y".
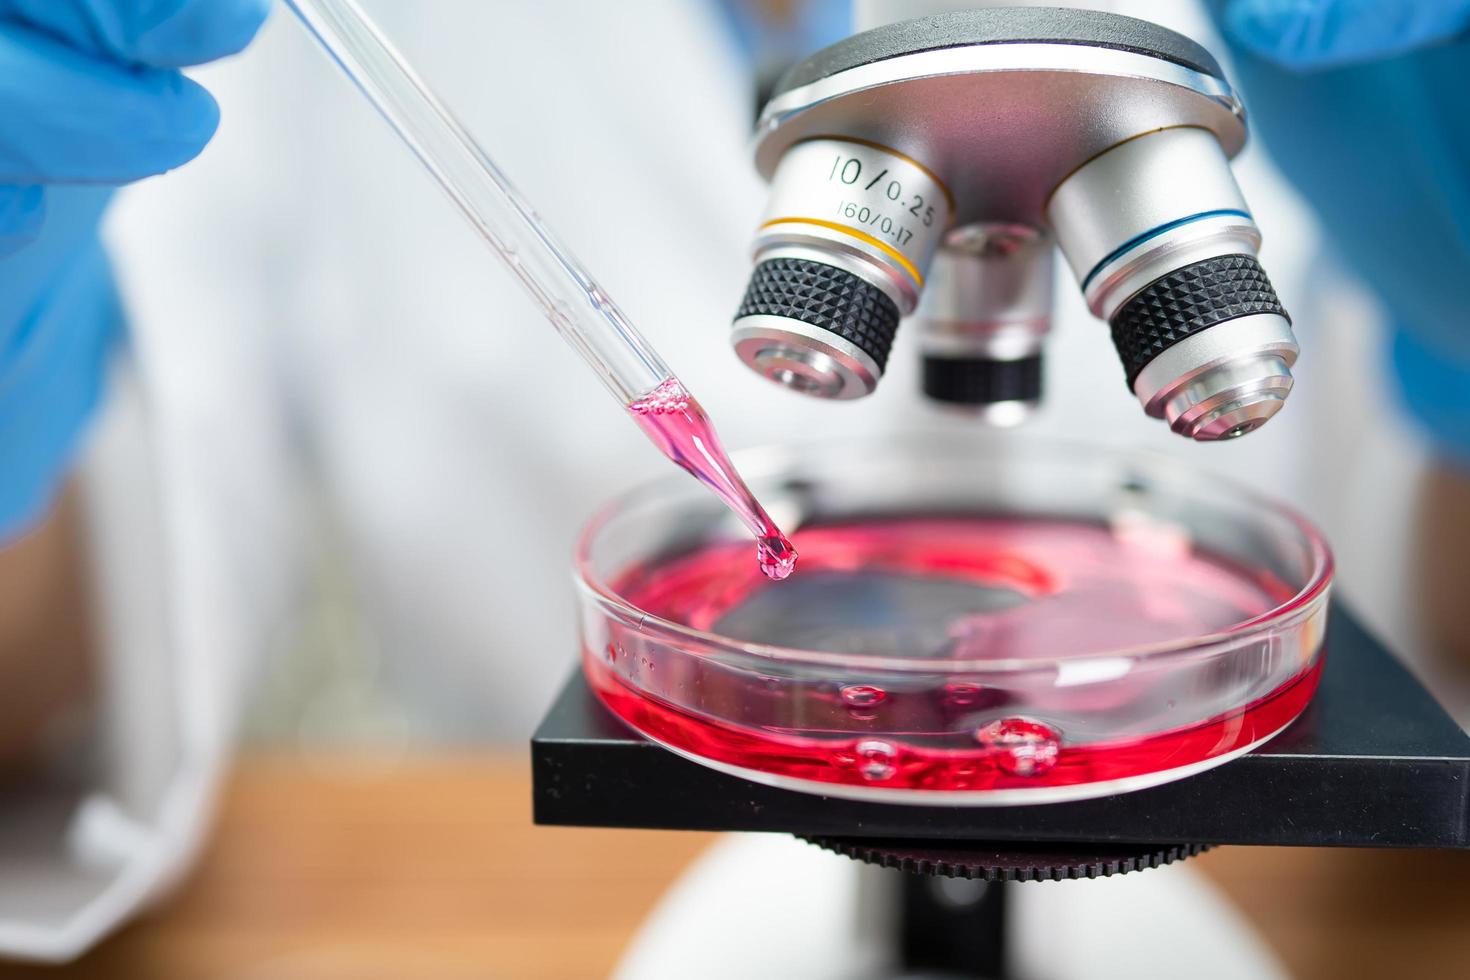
{"x": 931, "y": 170}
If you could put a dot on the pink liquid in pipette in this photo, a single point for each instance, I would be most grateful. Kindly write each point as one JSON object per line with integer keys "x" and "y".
{"x": 681, "y": 430}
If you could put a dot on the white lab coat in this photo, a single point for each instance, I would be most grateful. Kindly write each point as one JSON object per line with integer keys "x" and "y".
{"x": 323, "y": 352}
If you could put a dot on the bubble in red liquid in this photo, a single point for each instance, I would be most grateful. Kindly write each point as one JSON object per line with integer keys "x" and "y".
{"x": 863, "y": 696}
{"x": 776, "y": 556}
{"x": 1021, "y": 746}
{"x": 862, "y": 700}
{"x": 962, "y": 693}
{"x": 666, "y": 399}
{"x": 876, "y": 759}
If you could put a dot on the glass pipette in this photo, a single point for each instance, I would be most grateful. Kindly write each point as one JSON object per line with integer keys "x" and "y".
{"x": 582, "y": 313}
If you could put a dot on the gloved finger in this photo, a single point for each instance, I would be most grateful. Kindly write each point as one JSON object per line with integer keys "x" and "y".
{"x": 161, "y": 33}
{"x": 21, "y": 211}
{"x": 66, "y": 117}
{"x": 1307, "y": 34}
{"x": 51, "y": 383}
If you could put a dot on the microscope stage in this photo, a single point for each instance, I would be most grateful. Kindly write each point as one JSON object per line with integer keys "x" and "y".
{"x": 1373, "y": 762}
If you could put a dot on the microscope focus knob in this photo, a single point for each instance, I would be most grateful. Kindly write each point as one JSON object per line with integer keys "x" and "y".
{"x": 1008, "y": 861}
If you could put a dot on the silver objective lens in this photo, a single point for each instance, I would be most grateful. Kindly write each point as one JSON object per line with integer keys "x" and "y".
{"x": 984, "y": 319}
{"x": 841, "y": 255}
{"x": 1164, "y": 248}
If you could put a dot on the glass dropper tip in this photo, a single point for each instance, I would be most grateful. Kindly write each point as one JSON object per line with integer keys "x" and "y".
{"x": 776, "y": 555}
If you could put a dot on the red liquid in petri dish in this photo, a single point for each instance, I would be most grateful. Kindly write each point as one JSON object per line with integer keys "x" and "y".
{"x": 679, "y": 427}
{"x": 960, "y": 589}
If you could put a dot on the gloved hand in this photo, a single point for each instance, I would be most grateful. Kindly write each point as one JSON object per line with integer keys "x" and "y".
{"x": 90, "y": 98}
{"x": 1362, "y": 103}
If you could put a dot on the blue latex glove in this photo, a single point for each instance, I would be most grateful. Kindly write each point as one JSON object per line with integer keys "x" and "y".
{"x": 1363, "y": 105}
{"x": 90, "y": 98}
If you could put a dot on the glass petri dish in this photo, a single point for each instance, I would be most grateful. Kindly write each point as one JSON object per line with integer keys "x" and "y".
{"x": 974, "y": 621}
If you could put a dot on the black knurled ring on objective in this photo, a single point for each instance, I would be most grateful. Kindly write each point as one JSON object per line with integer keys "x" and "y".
{"x": 833, "y": 299}
{"x": 1189, "y": 300}
{"x": 982, "y": 380}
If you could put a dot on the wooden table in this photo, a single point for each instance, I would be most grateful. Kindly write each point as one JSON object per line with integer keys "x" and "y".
{"x": 327, "y": 868}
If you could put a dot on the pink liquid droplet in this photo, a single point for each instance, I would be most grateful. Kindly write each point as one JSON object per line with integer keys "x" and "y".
{"x": 776, "y": 556}
{"x": 1022, "y": 747}
{"x": 679, "y": 427}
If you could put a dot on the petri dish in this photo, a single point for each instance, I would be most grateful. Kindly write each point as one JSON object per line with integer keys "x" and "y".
{"x": 973, "y": 621}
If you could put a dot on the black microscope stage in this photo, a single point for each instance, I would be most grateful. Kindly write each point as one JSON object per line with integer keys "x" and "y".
{"x": 1373, "y": 762}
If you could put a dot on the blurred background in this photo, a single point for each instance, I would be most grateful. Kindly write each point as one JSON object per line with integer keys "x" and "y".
{"x": 328, "y": 508}
{"x": 398, "y": 420}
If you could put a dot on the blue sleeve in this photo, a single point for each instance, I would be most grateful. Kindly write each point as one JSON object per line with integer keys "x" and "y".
{"x": 810, "y": 26}
{"x": 1436, "y": 390}
{"x": 1377, "y": 139}
{"x": 1307, "y": 35}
